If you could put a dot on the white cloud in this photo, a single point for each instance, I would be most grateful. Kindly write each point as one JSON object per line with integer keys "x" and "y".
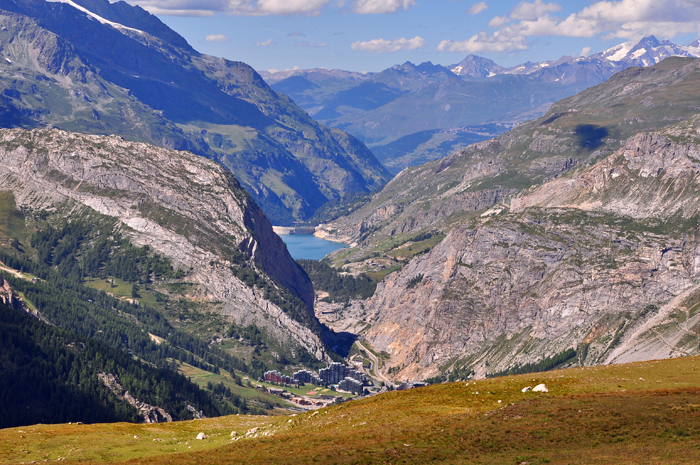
{"x": 388, "y": 46}
{"x": 381, "y": 6}
{"x": 532, "y": 11}
{"x": 287, "y": 7}
{"x": 267, "y": 43}
{"x": 477, "y": 8}
{"x": 585, "y": 51}
{"x": 629, "y": 19}
{"x": 483, "y": 43}
{"x": 216, "y": 38}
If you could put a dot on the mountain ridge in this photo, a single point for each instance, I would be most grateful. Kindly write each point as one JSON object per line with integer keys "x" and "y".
{"x": 105, "y": 79}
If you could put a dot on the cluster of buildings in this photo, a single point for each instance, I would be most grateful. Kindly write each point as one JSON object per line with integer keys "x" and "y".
{"x": 337, "y": 372}
{"x": 410, "y": 385}
{"x": 347, "y": 378}
{"x": 351, "y": 385}
{"x": 275, "y": 376}
{"x": 307, "y": 377}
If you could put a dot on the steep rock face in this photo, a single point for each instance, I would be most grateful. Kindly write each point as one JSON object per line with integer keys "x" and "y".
{"x": 651, "y": 176}
{"x": 604, "y": 260}
{"x": 149, "y": 413}
{"x": 514, "y": 291}
{"x": 183, "y": 206}
{"x": 8, "y": 297}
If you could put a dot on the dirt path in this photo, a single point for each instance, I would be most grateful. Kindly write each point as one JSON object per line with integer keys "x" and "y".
{"x": 3, "y": 267}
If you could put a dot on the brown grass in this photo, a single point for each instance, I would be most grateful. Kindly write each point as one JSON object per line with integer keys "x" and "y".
{"x": 624, "y": 414}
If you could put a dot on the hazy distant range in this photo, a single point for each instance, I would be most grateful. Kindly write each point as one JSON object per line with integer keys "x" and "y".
{"x": 410, "y": 114}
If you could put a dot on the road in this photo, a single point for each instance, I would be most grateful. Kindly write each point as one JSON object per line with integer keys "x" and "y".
{"x": 375, "y": 365}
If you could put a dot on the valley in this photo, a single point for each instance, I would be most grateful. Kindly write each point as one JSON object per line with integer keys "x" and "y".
{"x": 504, "y": 266}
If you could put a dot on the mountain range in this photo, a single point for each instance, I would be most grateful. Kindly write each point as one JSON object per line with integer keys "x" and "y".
{"x": 97, "y": 67}
{"x": 410, "y": 114}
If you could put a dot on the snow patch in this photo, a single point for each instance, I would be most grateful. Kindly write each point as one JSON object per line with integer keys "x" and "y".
{"x": 639, "y": 53}
{"x": 119, "y": 27}
{"x": 621, "y": 51}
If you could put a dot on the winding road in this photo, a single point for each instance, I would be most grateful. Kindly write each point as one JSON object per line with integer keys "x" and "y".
{"x": 375, "y": 365}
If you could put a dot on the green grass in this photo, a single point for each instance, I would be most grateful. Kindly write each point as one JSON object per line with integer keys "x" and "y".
{"x": 202, "y": 377}
{"x": 620, "y": 414}
{"x": 12, "y": 222}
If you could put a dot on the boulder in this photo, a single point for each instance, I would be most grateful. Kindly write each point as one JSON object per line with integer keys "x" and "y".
{"x": 540, "y": 388}
{"x": 201, "y": 436}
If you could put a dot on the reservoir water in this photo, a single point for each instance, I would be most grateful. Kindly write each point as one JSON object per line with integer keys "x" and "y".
{"x": 309, "y": 246}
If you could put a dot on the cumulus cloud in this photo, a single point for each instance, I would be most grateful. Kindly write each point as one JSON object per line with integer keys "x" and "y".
{"x": 381, "y": 6}
{"x": 585, "y": 51}
{"x": 288, "y": 7}
{"x": 477, "y": 8}
{"x": 483, "y": 43}
{"x": 629, "y": 19}
{"x": 216, "y": 38}
{"x": 388, "y": 46}
{"x": 267, "y": 43}
{"x": 532, "y": 11}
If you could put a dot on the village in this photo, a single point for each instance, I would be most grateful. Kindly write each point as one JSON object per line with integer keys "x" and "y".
{"x": 334, "y": 384}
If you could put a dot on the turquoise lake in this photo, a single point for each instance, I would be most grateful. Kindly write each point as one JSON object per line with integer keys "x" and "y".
{"x": 309, "y": 246}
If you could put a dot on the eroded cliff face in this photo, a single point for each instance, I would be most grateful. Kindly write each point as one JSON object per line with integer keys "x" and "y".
{"x": 605, "y": 260}
{"x": 185, "y": 207}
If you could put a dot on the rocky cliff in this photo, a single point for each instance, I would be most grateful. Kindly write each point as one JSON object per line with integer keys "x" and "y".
{"x": 183, "y": 206}
{"x": 604, "y": 261}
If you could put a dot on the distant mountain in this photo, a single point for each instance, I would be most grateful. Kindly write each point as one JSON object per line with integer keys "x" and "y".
{"x": 408, "y": 99}
{"x": 97, "y": 67}
{"x": 476, "y": 66}
{"x": 647, "y": 52}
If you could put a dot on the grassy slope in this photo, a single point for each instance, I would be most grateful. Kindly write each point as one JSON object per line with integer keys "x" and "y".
{"x": 643, "y": 412}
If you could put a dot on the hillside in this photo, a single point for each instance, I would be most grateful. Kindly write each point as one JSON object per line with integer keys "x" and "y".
{"x": 154, "y": 252}
{"x": 571, "y": 238}
{"x": 54, "y": 376}
{"x": 95, "y": 67}
{"x": 380, "y": 109}
{"x": 618, "y": 414}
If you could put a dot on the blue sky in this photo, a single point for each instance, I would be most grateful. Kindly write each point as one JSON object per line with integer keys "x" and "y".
{"x": 371, "y": 35}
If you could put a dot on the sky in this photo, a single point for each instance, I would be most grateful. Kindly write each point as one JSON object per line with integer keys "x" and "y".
{"x": 372, "y": 35}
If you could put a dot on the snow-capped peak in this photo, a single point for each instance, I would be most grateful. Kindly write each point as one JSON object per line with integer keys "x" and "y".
{"x": 647, "y": 51}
